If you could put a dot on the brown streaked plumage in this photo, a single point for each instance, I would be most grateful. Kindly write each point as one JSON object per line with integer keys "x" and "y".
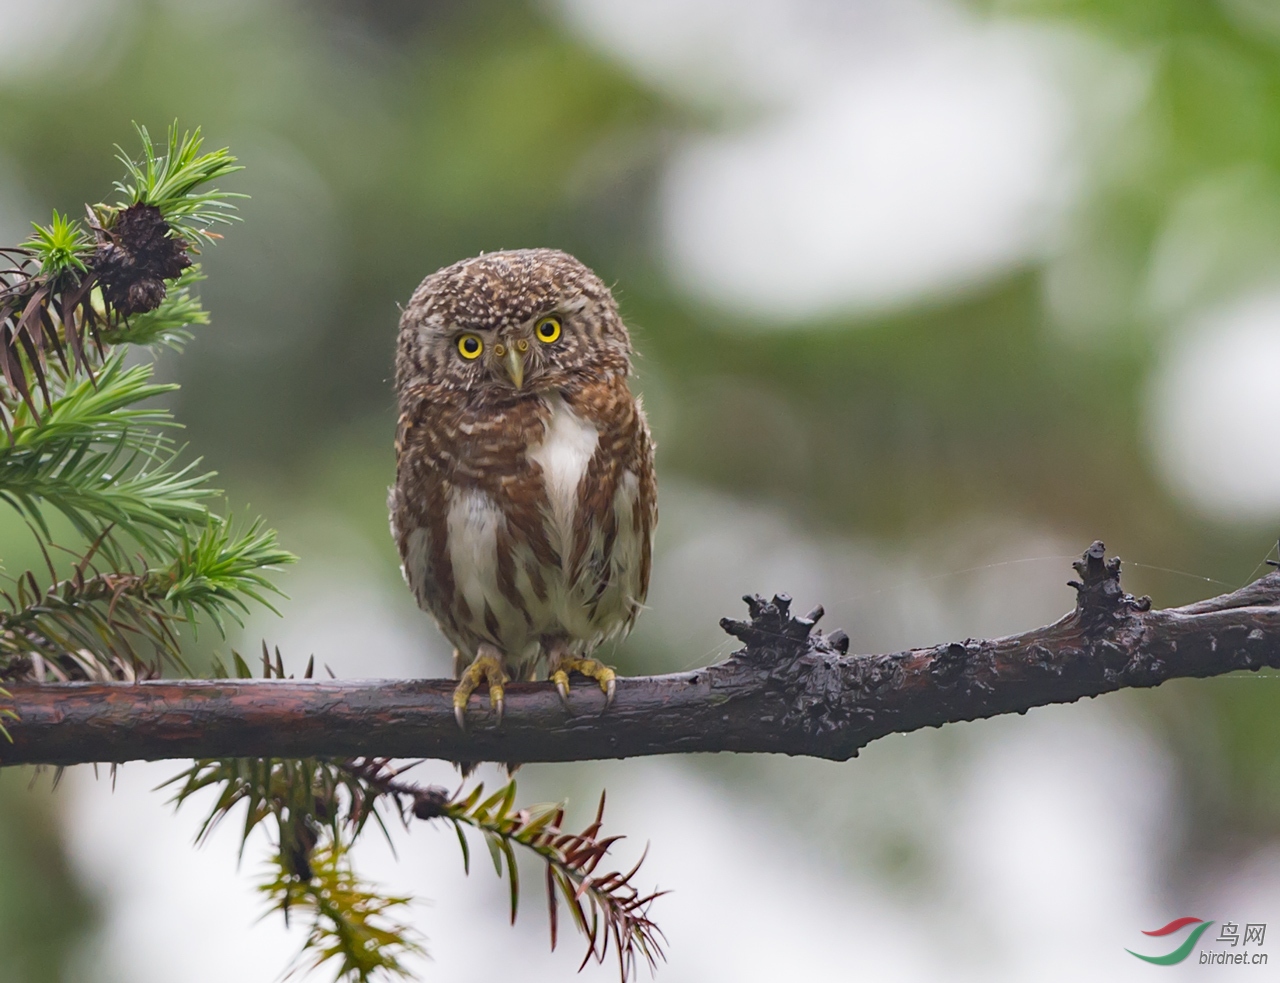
{"x": 525, "y": 497}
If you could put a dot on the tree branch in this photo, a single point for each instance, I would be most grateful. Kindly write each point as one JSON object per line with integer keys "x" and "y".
{"x": 791, "y": 689}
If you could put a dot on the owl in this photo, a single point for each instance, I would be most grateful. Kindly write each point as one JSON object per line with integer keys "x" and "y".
{"x": 525, "y": 498}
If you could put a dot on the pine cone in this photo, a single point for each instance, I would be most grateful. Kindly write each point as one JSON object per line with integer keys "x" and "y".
{"x": 135, "y": 257}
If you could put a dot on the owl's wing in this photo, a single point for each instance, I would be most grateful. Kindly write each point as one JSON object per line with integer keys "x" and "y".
{"x": 647, "y": 510}
{"x": 619, "y": 490}
{"x": 419, "y": 505}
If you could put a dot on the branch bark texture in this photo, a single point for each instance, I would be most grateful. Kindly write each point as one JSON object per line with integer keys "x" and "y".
{"x": 790, "y": 689}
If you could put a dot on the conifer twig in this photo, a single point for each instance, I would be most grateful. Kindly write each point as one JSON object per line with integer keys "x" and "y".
{"x": 606, "y": 907}
{"x": 790, "y": 689}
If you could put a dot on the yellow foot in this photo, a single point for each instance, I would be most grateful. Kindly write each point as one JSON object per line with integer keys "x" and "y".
{"x": 486, "y": 666}
{"x": 597, "y": 670}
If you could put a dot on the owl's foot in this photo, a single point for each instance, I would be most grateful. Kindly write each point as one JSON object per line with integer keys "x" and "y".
{"x": 597, "y": 670}
{"x": 486, "y": 667}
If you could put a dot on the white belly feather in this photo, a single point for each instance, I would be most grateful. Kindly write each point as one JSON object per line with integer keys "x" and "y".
{"x": 566, "y": 610}
{"x": 563, "y": 455}
{"x": 473, "y": 546}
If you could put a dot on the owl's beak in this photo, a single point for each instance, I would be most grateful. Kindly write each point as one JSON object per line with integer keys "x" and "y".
{"x": 513, "y": 361}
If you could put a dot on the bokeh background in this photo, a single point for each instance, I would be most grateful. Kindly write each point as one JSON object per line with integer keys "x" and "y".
{"x": 929, "y": 295}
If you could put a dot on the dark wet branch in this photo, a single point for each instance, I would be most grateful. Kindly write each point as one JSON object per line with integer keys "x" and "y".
{"x": 791, "y": 689}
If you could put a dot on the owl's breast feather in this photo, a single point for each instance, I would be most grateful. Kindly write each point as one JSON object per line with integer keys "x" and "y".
{"x": 563, "y": 454}
{"x": 529, "y": 522}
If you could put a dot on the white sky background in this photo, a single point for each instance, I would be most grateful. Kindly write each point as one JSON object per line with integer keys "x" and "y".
{"x": 879, "y": 152}
{"x": 37, "y": 35}
{"x": 1214, "y": 409}
{"x": 1213, "y": 290}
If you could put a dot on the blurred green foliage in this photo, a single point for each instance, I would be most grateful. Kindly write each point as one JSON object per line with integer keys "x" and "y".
{"x": 42, "y": 911}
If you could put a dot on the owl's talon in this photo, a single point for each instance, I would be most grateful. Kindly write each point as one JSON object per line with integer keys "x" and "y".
{"x": 561, "y": 679}
{"x": 460, "y": 717}
{"x": 486, "y": 666}
{"x": 593, "y": 668}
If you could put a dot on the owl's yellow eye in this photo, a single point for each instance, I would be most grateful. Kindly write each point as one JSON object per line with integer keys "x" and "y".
{"x": 470, "y": 346}
{"x": 548, "y": 330}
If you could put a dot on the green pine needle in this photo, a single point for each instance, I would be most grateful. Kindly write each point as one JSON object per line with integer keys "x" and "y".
{"x": 100, "y": 617}
{"x": 61, "y": 247}
{"x": 97, "y": 411}
{"x": 6, "y": 713}
{"x": 169, "y": 181}
{"x": 351, "y": 925}
{"x": 97, "y": 457}
{"x": 218, "y": 571}
{"x": 319, "y": 807}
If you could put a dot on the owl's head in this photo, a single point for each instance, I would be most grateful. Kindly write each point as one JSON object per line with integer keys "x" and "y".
{"x": 522, "y": 321}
